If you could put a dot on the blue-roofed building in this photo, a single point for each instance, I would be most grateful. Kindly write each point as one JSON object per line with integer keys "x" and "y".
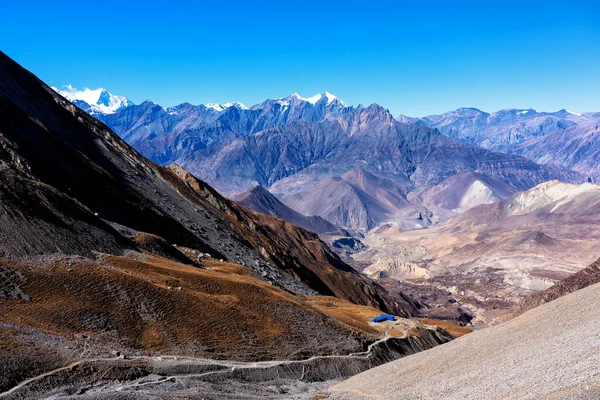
{"x": 384, "y": 317}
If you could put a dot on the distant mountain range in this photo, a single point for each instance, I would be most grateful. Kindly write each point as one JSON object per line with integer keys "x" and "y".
{"x": 357, "y": 167}
{"x": 498, "y": 131}
{"x": 563, "y": 138}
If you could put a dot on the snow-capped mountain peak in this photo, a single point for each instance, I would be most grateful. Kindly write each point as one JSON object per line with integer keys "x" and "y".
{"x": 331, "y": 98}
{"x": 316, "y": 98}
{"x": 97, "y": 100}
{"x": 223, "y": 106}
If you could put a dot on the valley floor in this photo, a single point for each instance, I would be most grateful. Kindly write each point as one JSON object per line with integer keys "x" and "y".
{"x": 482, "y": 270}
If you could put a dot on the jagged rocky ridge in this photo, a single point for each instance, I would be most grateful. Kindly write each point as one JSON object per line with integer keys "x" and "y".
{"x": 291, "y": 146}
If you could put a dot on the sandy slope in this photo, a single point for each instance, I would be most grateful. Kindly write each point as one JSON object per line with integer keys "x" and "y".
{"x": 550, "y": 352}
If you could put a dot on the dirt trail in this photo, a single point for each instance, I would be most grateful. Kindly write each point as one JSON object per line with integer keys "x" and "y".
{"x": 52, "y": 372}
{"x": 228, "y": 366}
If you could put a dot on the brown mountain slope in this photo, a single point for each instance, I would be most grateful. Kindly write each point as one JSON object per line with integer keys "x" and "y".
{"x": 140, "y": 305}
{"x": 47, "y": 144}
{"x": 61, "y": 310}
{"x": 296, "y": 251}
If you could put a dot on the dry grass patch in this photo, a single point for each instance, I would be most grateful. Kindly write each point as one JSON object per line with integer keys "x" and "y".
{"x": 159, "y": 305}
{"x": 359, "y": 317}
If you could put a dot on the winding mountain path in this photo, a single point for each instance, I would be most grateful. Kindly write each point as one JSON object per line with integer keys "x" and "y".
{"x": 226, "y": 366}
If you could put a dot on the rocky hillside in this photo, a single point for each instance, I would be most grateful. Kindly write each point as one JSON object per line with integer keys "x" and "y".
{"x": 582, "y": 279}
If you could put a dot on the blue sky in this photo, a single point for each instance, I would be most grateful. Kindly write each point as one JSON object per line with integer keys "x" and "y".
{"x": 413, "y": 57}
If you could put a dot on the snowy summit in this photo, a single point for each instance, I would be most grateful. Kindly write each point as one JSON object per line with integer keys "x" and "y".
{"x": 224, "y": 106}
{"x": 94, "y": 101}
{"x": 314, "y": 99}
